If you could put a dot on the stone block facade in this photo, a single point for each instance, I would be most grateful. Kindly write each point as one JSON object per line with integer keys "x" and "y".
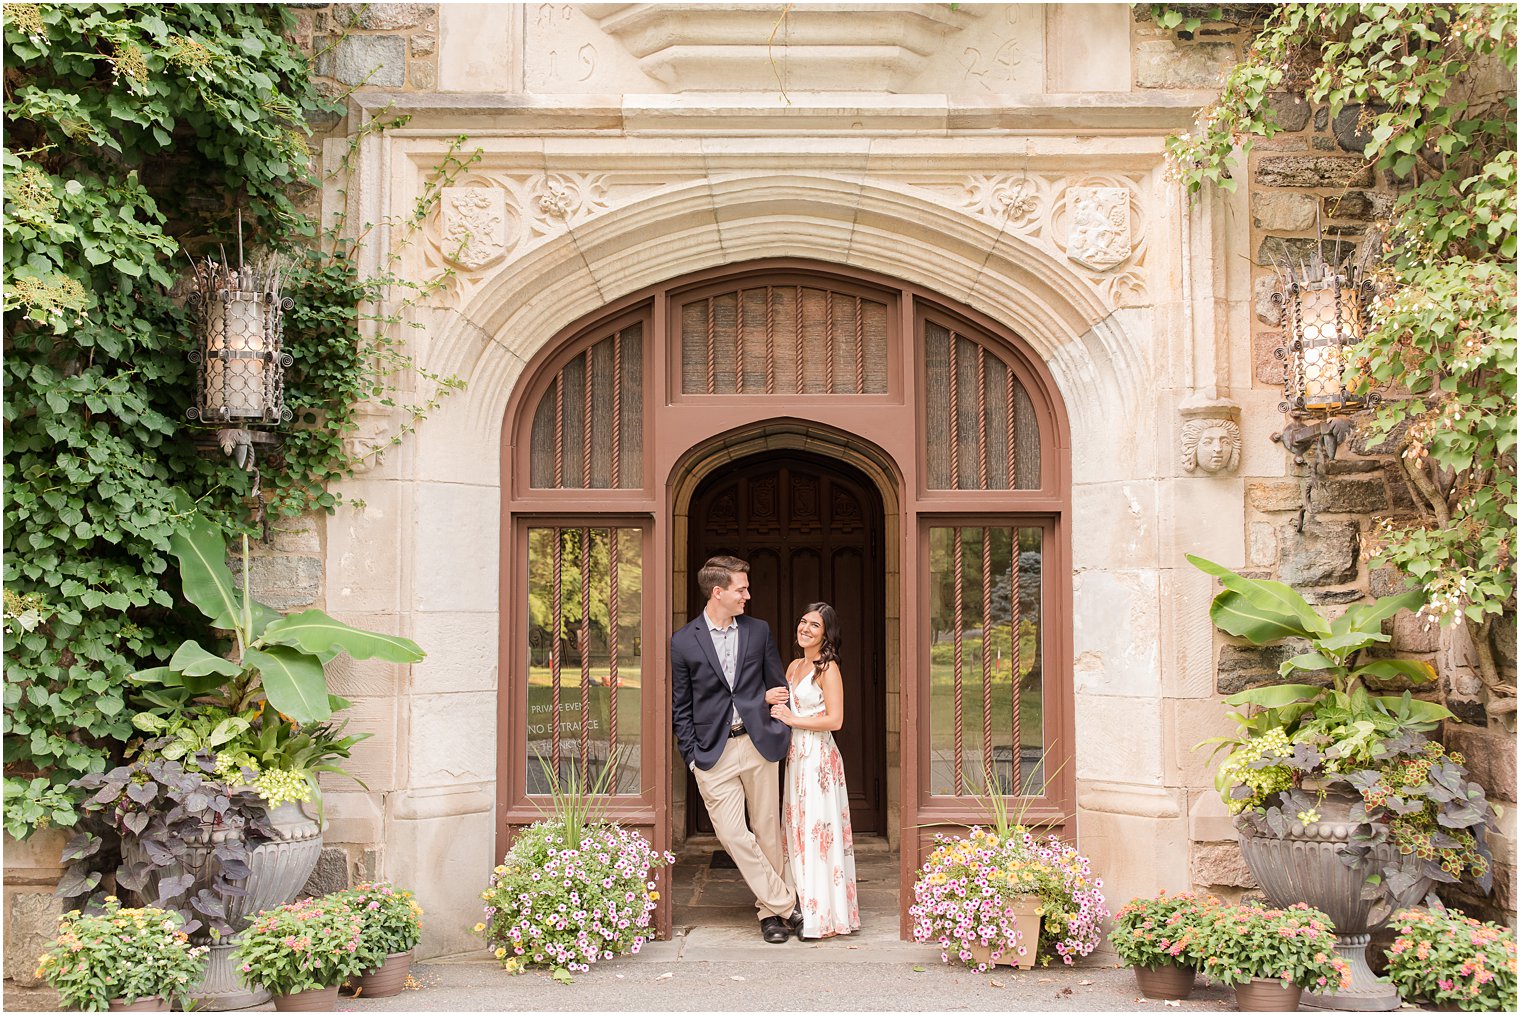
{"x": 1008, "y": 158}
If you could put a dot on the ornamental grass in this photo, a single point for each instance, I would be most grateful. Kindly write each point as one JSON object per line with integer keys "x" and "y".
{"x": 120, "y": 955}
{"x": 1450, "y": 958}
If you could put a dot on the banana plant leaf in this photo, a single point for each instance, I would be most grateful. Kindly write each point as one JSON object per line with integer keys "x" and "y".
{"x": 1275, "y": 695}
{"x": 293, "y": 682}
{"x": 206, "y": 580}
{"x": 1309, "y": 661}
{"x": 315, "y": 632}
{"x": 1370, "y": 616}
{"x": 1234, "y": 614}
{"x": 193, "y": 661}
{"x": 1392, "y": 669}
{"x": 1274, "y": 603}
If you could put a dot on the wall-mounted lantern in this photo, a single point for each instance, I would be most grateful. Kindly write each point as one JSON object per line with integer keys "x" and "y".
{"x": 1325, "y": 312}
{"x": 240, "y": 362}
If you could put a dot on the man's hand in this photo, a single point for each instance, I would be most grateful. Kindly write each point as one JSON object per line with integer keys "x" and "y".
{"x": 777, "y": 695}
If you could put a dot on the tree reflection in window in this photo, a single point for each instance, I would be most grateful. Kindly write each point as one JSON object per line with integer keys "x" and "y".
{"x": 584, "y": 584}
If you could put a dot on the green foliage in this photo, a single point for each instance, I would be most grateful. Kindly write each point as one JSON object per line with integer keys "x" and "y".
{"x": 279, "y": 658}
{"x": 1449, "y": 959}
{"x": 134, "y": 134}
{"x": 563, "y": 907}
{"x": 392, "y": 920}
{"x": 1265, "y": 612}
{"x": 1149, "y": 933}
{"x": 1435, "y": 85}
{"x": 120, "y": 954}
{"x": 1295, "y": 945}
{"x": 308, "y": 945}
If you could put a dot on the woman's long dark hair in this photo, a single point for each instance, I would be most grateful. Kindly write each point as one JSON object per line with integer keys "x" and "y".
{"x": 828, "y": 652}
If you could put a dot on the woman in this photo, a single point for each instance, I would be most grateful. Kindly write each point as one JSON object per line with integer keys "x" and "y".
{"x": 816, "y": 810}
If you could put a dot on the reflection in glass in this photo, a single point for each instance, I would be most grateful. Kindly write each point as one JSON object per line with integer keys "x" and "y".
{"x": 579, "y": 593}
{"x": 986, "y": 686}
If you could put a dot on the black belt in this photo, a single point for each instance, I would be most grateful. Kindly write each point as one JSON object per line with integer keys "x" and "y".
{"x": 737, "y": 730}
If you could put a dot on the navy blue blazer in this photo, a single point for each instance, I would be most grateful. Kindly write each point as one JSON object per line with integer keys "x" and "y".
{"x": 702, "y": 704}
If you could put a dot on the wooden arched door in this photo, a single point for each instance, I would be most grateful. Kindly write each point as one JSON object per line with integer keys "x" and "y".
{"x": 811, "y": 529}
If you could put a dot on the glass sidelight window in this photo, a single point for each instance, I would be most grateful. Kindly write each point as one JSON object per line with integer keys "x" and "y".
{"x": 585, "y": 653}
{"x": 986, "y": 661}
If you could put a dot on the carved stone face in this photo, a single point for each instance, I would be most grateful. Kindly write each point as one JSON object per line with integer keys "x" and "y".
{"x": 1214, "y": 449}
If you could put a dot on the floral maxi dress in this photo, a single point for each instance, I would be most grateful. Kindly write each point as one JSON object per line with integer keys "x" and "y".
{"x": 820, "y": 850}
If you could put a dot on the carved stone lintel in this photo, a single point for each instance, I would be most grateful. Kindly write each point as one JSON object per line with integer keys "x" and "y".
{"x": 1099, "y": 237}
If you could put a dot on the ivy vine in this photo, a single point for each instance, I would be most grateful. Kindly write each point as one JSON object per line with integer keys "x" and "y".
{"x": 134, "y": 136}
{"x": 1435, "y": 86}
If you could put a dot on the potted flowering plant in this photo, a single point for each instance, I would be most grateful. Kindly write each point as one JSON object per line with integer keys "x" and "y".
{"x": 573, "y": 888}
{"x": 1003, "y": 892}
{"x": 392, "y": 926}
{"x": 968, "y": 901}
{"x": 121, "y": 959}
{"x": 301, "y": 952}
{"x": 1159, "y": 938}
{"x": 1341, "y": 799}
{"x": 1270, "y": 956}
{"x": 1451, "y": 959}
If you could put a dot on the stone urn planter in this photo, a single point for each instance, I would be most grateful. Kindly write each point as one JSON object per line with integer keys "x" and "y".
{"x": 1304, "y": 867}
{"x": 277, "y": 870}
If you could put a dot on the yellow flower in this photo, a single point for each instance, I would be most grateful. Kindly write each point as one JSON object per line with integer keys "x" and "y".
{"x": 501, "y": 868}
{"x": 479, "y": 927}
{"x": 501, "y": 953}
{"x": 654, "y": 896}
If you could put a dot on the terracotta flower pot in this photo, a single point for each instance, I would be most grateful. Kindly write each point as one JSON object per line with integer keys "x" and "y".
{"x": 386, "y": 979}
{"x": 1027, "y": 918}
{"x": 1267, "y": 995}
{"x": 316, "y": 999}
{"x": 1167, "y": 982}
{"x": 141, "y": 1004}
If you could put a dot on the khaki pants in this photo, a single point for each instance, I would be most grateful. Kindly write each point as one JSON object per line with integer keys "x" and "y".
{"x": 742, "y": 776}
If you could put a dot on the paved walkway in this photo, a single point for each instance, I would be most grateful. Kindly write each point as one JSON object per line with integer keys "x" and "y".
{"x": 717, "y": 962}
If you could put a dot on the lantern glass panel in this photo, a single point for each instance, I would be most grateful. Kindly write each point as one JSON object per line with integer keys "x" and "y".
{"x": 236, "y": 355}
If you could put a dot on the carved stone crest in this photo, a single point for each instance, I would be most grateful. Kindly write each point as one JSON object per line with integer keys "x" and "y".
{"x": 474, "y": 227}
{"x": 1210, "y": 444}
{"x": 1100, "y": 228}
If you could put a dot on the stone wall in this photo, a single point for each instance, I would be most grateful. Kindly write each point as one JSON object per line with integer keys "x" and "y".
{"x": 1308, "y": 181}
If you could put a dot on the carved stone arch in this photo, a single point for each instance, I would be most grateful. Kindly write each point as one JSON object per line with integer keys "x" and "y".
{"x": 673, "y": 232}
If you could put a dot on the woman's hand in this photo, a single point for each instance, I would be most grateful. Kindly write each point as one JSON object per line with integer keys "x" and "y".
{"x": 777, "y": 695}
{"x": 783, "y": 713}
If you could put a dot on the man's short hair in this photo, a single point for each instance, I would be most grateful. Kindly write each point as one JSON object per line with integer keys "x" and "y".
{"x": 718, "y": 573}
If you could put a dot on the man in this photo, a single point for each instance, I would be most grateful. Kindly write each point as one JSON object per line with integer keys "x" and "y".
{"x": 722, "y": 664}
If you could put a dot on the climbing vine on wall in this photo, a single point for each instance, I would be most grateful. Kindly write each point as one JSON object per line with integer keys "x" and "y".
{"x": 134, "y": 133}
{"x": 1435, "y": 85}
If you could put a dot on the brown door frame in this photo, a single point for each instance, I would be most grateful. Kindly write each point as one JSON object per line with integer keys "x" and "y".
{"x": 680, "y": 429}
